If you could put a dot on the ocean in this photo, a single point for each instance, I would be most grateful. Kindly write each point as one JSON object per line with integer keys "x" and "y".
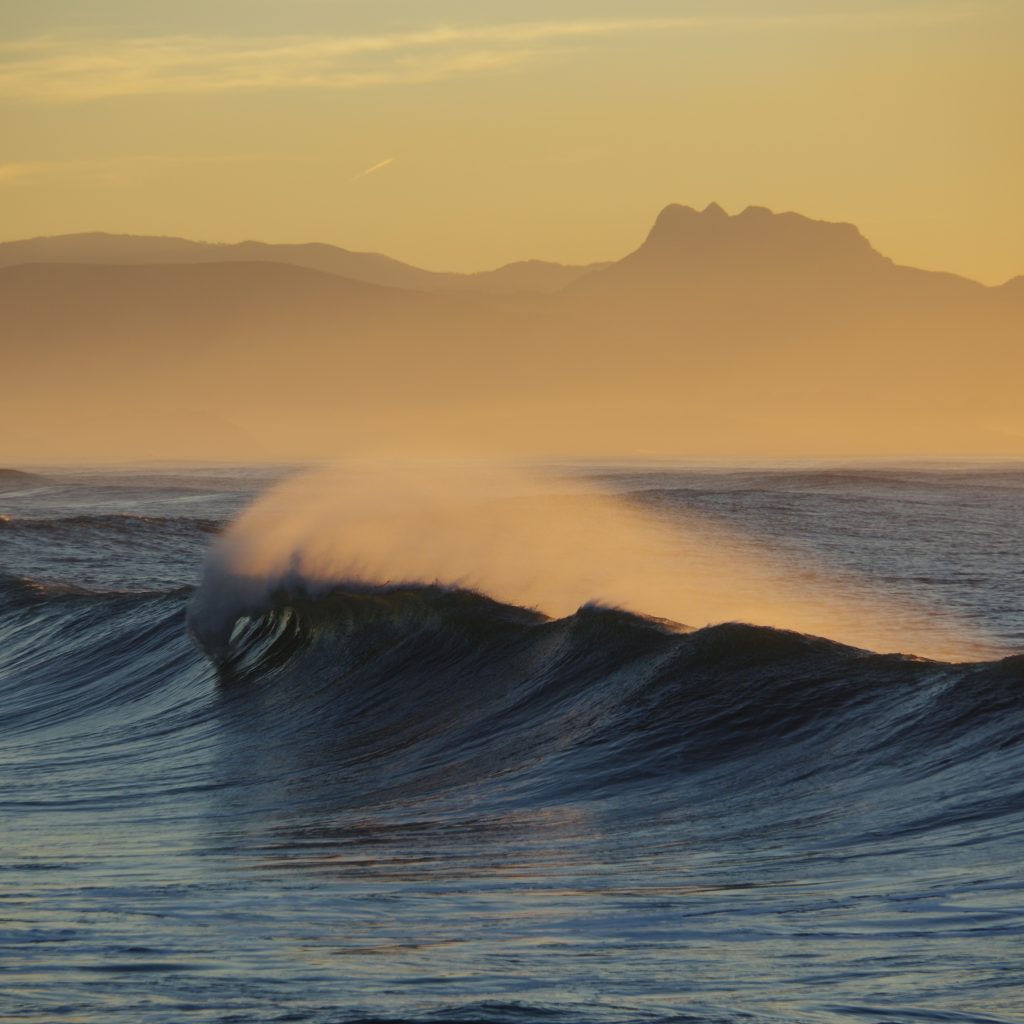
{"x": 369, "y": 794}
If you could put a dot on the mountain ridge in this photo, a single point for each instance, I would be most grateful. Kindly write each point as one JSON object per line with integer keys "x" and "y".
{"x": 679, "y": 234}
{"x": 369, "y": 267}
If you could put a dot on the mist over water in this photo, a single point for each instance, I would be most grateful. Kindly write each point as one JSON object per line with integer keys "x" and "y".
{"x": 537, "y": 540}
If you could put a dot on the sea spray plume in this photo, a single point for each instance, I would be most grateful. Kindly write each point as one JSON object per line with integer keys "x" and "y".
{"x": 513, "y": 536}
{"x": 530, "y": 540}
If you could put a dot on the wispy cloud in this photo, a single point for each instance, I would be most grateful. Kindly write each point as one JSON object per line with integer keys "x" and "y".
{"x": 374, "y": 168}
{"x": 12, "y": 173}
{"x": 62, "y": 69}
{"x": 120, "y": 168}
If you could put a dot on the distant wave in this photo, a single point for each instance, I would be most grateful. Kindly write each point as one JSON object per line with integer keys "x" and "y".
{"x": 116, "y": 524}
{"x": 20, "y": 590}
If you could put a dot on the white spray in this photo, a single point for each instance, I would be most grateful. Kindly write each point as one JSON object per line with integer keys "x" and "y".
{"x": 534, "y": 541}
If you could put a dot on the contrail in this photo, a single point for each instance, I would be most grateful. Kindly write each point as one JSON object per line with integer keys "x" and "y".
{"x": 374, "y": 169}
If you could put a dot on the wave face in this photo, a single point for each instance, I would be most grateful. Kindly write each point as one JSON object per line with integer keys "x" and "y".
{"x": 498, "y": 700}
{"x": 416, "y": 802}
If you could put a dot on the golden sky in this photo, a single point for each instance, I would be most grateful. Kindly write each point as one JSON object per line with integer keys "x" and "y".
{"x": 461, "y": 134}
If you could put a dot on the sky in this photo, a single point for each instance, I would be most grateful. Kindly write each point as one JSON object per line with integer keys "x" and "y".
{"x": 461, "y": 135}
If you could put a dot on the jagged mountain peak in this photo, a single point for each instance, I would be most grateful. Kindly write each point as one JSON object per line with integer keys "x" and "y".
{"x": 757, "y": 235}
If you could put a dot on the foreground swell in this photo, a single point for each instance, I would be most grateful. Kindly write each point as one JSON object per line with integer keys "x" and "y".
{"x": 426, "y": 693}
{"x": 420, "y": 804}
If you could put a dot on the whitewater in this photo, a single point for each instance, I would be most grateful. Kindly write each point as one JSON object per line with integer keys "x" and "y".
{"x": 572, "y": 743}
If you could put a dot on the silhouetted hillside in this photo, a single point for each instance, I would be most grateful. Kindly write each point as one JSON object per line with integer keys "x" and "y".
{"x": 758, "y": 334}
{"x": 370, "y": 267}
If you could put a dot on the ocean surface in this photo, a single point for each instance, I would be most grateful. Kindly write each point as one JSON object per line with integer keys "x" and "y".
{"x": 415, "y": 802}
